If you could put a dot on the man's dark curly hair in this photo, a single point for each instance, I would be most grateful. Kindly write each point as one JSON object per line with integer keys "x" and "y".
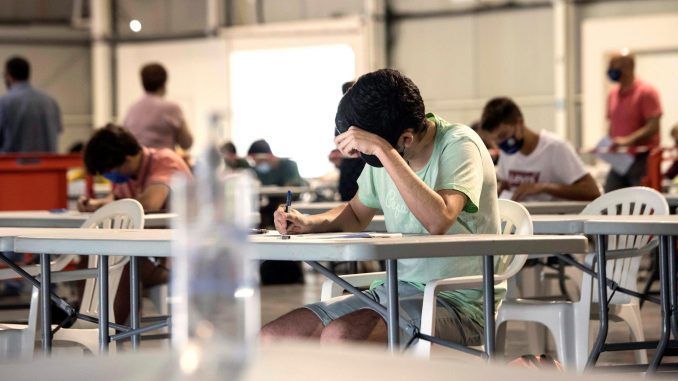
{"x": 383, "y": 102}
{"x": 497, "y": 111}
{"x": 108, "y": 148}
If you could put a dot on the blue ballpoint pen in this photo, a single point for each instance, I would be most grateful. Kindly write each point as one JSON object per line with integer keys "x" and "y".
{"x": 288, "y": 202}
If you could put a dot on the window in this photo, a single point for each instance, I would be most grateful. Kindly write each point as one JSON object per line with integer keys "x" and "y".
{"x": 289, "y": 97}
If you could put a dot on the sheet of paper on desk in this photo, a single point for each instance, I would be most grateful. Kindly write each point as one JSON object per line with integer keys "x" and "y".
{"x": 620, "y": 162}
{"x": 346, "y": 235}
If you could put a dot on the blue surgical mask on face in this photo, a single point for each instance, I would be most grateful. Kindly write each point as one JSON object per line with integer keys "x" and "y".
{"x": 263, "y": 168}
{"x": 614, "y": 75}
{"x": 511, "y": 145}
{"x": 115, "y": 177}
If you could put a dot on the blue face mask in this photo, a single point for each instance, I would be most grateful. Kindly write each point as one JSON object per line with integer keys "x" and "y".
{"x": 511, "y": 145}
{"x": 115, "y": 177}
{"x": 263, "y": 168}
{"x": 614, "y": 75}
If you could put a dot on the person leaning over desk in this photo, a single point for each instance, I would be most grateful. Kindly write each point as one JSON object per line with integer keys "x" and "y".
{"x": 136, "y": 172}
{"x": 428, "y": 176}
{"x": 534, "y": 166}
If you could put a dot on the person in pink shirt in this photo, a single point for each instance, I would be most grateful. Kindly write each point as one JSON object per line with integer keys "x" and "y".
{"x": 136, "y": 172}
{"x": 633, "y": 110}
{"x": 154, "y": 121}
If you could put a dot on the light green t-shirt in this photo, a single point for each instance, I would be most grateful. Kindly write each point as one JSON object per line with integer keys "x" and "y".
{"x": 460, "y": 162}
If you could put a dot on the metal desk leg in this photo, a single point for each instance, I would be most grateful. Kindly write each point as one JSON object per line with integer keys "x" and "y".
{"x": 601, "y": 246}
{"x": 665, "y": 306}
{"x": 103, "y": 304}
{"x": 488, "y": 304}
{"x": 673, "y": 294}
{"x": 45, "y": 305}
{"x": 393, "y": 306}
{"x": 134, "y": 299}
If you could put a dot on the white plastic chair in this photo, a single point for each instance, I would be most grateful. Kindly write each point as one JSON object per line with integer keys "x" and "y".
{"x": 568, "y": 322}
{"x": 515, "y": 219}
{"x": 121, "y": 214}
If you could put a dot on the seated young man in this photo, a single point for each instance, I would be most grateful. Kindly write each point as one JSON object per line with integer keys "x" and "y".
{"x": 136, "y": 172}
{"x": 429, "y": 177}
{"x": 534, "y": 166}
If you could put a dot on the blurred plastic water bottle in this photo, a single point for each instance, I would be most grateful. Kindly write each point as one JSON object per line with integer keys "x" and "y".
{"x": 215, "y": 286}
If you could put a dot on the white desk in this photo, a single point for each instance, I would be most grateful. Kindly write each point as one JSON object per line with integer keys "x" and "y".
{"x": 69, "y": 219}
{"x": 158, "y": 243}
{"x": 274, "y": 190}
{"x": 554, "y": 207}
{"x": 666, "y": 227}
{"x": 137, "y": 243}
{"x": 650, "y": 225}
{"x": 391, "y": 249}
{"x": 559, "y": 223}
{"x": 299, "y": 248}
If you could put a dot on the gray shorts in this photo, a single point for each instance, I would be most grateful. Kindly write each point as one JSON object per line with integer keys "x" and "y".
{"x": 451, "y": 324}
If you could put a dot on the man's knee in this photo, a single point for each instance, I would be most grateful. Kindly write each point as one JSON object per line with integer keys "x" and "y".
{"x": 298, "y": 323}
{"x": 359, "y": 325}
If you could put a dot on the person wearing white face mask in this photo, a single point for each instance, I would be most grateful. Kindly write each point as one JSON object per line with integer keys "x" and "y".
{"x": 273, "y": 170}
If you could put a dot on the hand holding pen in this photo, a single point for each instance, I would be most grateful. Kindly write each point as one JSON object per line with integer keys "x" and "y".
{"x": 288, "y": 203}
{"x": 289, "y": 221}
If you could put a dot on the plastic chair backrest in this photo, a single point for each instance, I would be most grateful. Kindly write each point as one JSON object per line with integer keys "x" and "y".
{"x": 515, "y": 219}
{"x": 626, "y": 202}
{"x": 121, "y": 214}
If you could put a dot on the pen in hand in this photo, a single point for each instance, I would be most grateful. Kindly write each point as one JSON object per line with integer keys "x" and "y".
{"x": 288, "y": 202}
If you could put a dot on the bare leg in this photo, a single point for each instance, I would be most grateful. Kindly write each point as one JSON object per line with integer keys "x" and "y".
{"x": 296, "y": 324}
{"x": 361, "y": 325}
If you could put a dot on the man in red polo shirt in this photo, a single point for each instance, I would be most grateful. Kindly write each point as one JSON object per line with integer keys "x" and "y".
{"x": 633, "y": 109}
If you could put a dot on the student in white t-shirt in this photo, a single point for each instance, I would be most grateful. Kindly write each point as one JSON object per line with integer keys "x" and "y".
{"x": 534, "y": 166}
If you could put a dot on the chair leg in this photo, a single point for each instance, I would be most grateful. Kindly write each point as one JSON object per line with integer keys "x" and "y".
{"x": 536, "y": 338}
{"x": 630, "y": 314}
{"x": 565, "y": 343}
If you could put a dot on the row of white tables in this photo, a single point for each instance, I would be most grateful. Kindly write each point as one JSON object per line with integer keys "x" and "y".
{"x": 533, "y": 207}
{"x": 312, "y": 250}
{"x": 68, "y": 219}
{"x": 158, "y": 243}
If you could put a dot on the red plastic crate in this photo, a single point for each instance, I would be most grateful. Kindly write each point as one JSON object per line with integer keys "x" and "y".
{"x": 35, "y": 181}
